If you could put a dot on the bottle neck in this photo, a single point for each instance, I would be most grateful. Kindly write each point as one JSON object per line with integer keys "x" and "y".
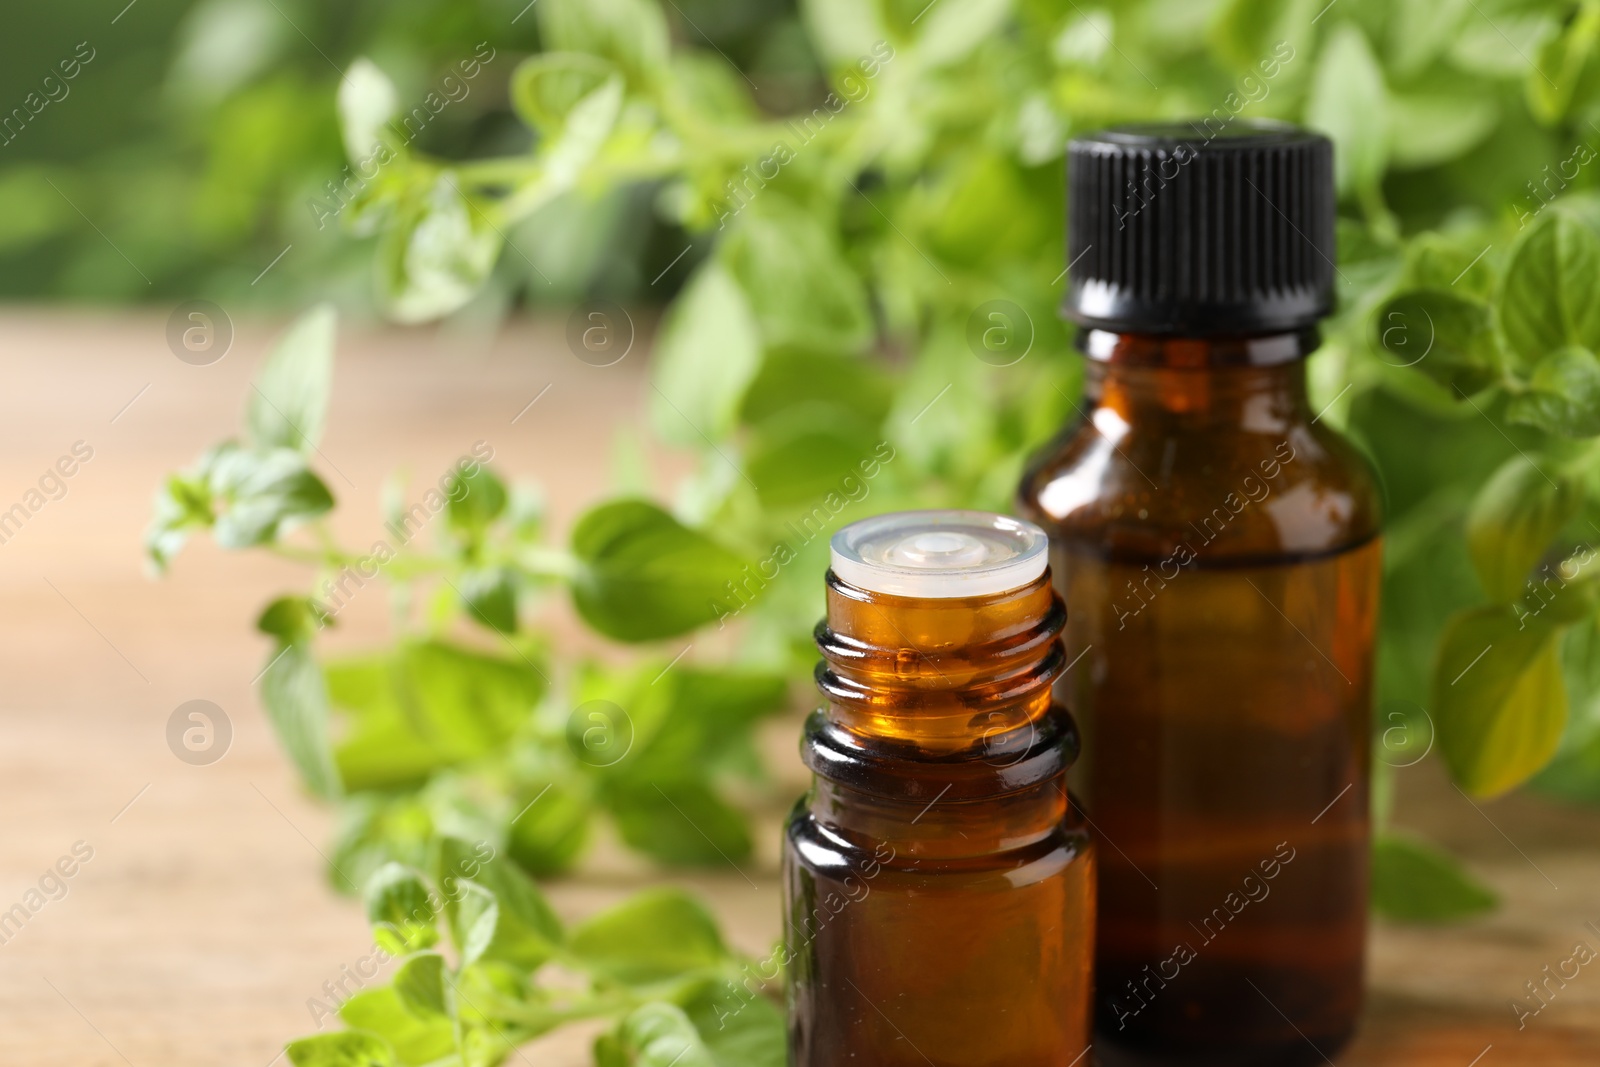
{"x": 1197, "y": 353}
{"x": 932, "y": 705}
{"x": 940, "y": 828}
{"x": 941, "y": 675}
{"x": 1255, "y": 382}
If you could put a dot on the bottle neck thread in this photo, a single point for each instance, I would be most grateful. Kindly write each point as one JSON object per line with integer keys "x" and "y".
{"x": 940, "y": 675}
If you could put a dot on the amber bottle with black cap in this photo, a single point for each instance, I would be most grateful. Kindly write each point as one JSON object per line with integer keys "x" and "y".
{"x": 938, "y": 881}
{"x": 1217, "y": 542}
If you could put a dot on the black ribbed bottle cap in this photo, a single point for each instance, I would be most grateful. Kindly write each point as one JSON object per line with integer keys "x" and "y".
{"x": 1176, "y": 229}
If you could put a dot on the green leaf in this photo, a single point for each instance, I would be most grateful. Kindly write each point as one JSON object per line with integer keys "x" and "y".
{"x": 367, "y": 101}
{"x": 437, "y": 254}
{"x": 740, "y": 1028}
{"x": 582, "y": 136}
{"x": 791, "y": 379}
{"x": 296, "y": 699}
{"x": 1504, "y": 46}
{"x": 1446, "y": 337}
{"x": 474, "y": 498}
{"x": 1559, "y": 66}
{"x": 1420, "y": 29}
{"x": 490, "y": 597}
{"x": 1450, "y": 264}
{"x": 642, "y": 575}
{"x": 551, "y": 829}
{"x": 982, "y": 213}
{"x": 348, "y": 1048}
{"x": 525, "y": 930}
{"x": 712, "y": 86}
{"x": 1246, "y": 32}
{"x": 843, "y": 31}
{"x": 420, "y": 984}
{"x": 652, "y": 936}
{"x": 1083, "y": 41}
{"x": 709, "y": 351}
{"x": 1563, "y": 394}
{"x": 1574, "y": 775}
{"x": 1513, "y": 520}
{"x": 429, "y": 705}
{"x": 802, "y": 291}
{"x": 630, "y": 33}
{"x": 812, "y": 458}
{"x": 950, "y": 32}
{"x": 499, "y": 1008}
{"x": 373, "y": 830}
{"x": 416, "y": 1041}
{"x": 1349, "y": 103}
{"x": 1499, "y": 698}
{"x": 473, "y": 915}
{"x": 1547, "y": 300}
{"x": 262, "y": 494}
{"x": 1412, "y": 881}
{"x": 678, "y": 823}
{"x": 401, "y": 908}
{"x": 547, "y": 88}
{"x": 1565, "y": 591}
{"x": 182, "y": 503}
{"x": 293, "y": 620}
{"x": 655, "y": 1035}
{"x": 573, "y": 99}
{"x": 691, "y": 718}
{"x": 290, "y": 399}
{"x": 1427, "y": 129}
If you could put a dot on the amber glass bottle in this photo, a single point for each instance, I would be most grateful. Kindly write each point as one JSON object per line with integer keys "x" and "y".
{"x": 1218, "y": 544}
{"x": 938, "y": 882}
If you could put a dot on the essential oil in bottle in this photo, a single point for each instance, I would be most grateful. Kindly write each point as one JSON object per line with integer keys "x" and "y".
{"x": 938, "y": 881}
{"x": 1218, "y": 543}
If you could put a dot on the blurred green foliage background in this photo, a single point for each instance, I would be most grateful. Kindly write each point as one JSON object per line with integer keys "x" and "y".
{"x": 198, "y": 133}
{"x": 184, "y": 155}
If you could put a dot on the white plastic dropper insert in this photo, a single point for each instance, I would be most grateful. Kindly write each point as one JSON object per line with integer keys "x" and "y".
{"x": 939, "y": 554}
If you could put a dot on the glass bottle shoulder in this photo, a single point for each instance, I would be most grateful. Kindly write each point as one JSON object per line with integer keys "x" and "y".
{"x": 1270, "y": 480}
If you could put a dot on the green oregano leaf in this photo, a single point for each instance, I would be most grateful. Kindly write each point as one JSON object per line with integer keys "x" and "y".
{"x": 658, "y": 1034}
{"x": 657, "y": 934}
{"x": 415, "y": 1040}
{"x": 401, "y": 907}
{"x": 1513, "y": 520}
{"x": 1563, "y": 394}
{"x": 289, "y": 400}
{"x": 421, "y": 986}
{"x": 348, "y": 1048}
{"x": 642, "y": 575}
{"x": 707, "y": 356}
{"x": 630, "y": 33}
{"x": 1499, "y": 697}
{"x": 296, "y": 699}
{"x": 546, "y": 88}
{"x": 1445, "y": 336}
{"x": 1349, "y": 103}
{"x": 1547, "y": 300}
{"x": 1413, "y": 881}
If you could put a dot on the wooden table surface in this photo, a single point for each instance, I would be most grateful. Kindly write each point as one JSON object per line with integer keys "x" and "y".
{"x": 201, "y": 925}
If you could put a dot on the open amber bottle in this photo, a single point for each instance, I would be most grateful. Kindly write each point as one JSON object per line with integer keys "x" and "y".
{"x": 938, "y": 882}
{"x": 1218, "y": 544}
